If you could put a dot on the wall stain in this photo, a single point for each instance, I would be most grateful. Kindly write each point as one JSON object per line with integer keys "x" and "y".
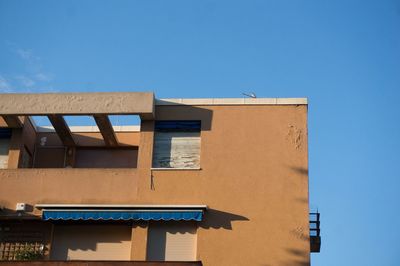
{"x": 299, "y": 233}
{"x": 295, "y": 136}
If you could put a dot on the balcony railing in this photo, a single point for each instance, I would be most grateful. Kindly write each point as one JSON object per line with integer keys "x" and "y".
{"x": 315, "y": 232}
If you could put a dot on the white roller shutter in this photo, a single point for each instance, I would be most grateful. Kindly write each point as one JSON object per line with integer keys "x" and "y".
{"x": 172, "y": 241}
{"x": 176, "y": 150}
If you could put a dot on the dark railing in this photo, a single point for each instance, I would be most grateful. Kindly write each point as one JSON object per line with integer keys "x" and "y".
{"x": 315, "y": 232}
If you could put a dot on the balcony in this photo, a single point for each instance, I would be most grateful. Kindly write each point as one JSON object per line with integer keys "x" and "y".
{"x": 72, "y": 130}
{"x": 101, "y": 263}
{"x": 315, "y": 231}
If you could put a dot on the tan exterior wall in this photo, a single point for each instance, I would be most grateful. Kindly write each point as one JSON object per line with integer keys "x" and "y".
{"x": 105, "y": 158}
{"x": 50, "y": 152}
{"x": 139, "y": 241}
{"x": 253, "y": 177}
{"x": 67, "y": 185}
{"x": 15, "y": 148}
{"x": 90, "y": 139}
{"x": 29, "y": 135}
{"x": 91, "y": 242}
{"x": 2, "y": 122}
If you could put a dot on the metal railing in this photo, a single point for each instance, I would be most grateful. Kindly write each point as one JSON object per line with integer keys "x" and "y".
{"x": 315, "y": 232}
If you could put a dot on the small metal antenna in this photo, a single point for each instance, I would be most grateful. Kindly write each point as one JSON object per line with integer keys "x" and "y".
{"x": 251, "y": 94}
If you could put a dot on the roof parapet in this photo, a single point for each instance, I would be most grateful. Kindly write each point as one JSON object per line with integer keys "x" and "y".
{"x": 233, "y": 101}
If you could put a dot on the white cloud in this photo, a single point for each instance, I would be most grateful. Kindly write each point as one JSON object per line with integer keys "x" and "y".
{"x": 26, "y": 81}
{"x": 43, "y": 77}
{"x": 31, "y": 78}
{"x": 27, "y": 55}
{"x": 5, "y": 85}
{"x": 24, "y": 54}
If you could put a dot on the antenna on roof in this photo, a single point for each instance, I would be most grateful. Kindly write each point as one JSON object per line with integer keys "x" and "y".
{"x": 251, "y": 94}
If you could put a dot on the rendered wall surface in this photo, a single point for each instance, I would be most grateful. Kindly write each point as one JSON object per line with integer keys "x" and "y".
{"x": 2, "y": 122}
{"x": 91, "y": 242}
{"x": 253, "y": 177}
{"x": 51, "y": 153}
{"x": 90, "y": 139}
{"x": 106, "y": 158}
{"x": 66, "y": 185}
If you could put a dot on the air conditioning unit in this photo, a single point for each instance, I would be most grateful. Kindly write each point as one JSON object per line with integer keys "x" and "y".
{"x": 20, "y": 207}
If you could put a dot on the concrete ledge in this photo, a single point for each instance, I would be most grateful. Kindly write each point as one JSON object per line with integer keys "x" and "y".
{"x": 175, "y": 169}
{"x": 139, "y": 103}
{"x": 233, "y": 101}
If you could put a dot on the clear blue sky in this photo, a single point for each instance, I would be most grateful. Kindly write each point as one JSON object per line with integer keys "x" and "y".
{"x": 343, "y": 55}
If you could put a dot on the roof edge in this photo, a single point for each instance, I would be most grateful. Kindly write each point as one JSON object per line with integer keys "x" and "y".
{"x": 232, "y": 101}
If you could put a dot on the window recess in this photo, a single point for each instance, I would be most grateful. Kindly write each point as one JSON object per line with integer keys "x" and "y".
{"x": 5, "y": 140}
{"x": 177, "y": 144}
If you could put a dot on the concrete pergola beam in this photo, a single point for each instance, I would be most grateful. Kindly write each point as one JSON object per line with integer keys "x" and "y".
{"x": 106, "y": 130}
{"x": 111, "y": 103}
{"x": 62, "y": 130}
{"x": 12, "y": 121}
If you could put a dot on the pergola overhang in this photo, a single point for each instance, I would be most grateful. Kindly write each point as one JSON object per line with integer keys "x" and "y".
{"x": 56, "y": 105}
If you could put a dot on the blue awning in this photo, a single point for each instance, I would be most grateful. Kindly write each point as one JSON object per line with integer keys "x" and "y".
{"x": 124, "y": 215}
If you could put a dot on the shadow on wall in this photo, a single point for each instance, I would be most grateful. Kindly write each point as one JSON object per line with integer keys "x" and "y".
{"x": 219, "y": 219}
{"x": 90, "y": 152}
{"x": 185, "y": 112}
{"x": 300, "y": 170}
{"x": 162, "y": 232}
{"x": 10, "y": 213}
{"x": 300, "y": 257}
{"x": 93, "y": 237}
{"x": 303, "y": 172}
{"x": 180, "y": 234}
{"x": 83, "y": 140}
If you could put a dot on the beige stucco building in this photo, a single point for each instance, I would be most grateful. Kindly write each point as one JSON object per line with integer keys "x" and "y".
{"x": 199, "y": 182}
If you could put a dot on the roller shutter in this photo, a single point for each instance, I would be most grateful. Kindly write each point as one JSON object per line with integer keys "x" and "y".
{"x": 172, "y": 241}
